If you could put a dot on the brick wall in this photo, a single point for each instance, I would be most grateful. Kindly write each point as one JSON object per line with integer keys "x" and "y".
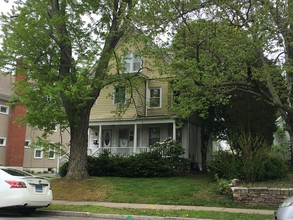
{"x": 262, "y": 196}
{"x": 15, "y": 137}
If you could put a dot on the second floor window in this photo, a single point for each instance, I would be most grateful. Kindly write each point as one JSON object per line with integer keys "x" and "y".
{"x": 131, "y": 63}
{"x": 155, "y": 97}
{"x": 119, "y": 95}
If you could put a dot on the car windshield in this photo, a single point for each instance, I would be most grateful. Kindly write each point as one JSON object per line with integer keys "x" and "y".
{"x": 15, "y": 172}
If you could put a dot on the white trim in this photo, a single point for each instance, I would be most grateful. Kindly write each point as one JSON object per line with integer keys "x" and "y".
{"x": 131, "y": 58}
{"x": 135, "y": 138}
{"x": 38, "y": 149}
{"x": 4, "y": 107}
{"x": 28, "y": 143}
{"x": 131, "y": 122}
{"x": 149, "y": 97}
{"x": 4, "y": 142}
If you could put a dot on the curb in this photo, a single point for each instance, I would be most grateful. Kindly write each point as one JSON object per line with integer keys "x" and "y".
{"x": 111, "y": 216}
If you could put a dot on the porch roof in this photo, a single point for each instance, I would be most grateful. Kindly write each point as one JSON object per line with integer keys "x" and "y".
{"x": 132, "y": 121}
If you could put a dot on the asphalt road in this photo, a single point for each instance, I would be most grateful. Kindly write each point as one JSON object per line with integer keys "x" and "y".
{"x": 14, "y": 214}
{"x": 56, "y": 215}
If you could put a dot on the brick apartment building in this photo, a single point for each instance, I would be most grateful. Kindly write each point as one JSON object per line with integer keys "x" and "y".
{"x": 15, "y": 139}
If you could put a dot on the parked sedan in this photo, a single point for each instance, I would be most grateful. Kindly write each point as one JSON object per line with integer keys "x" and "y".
{"x": 285, "y": 210}
{"x": 19, "y": 189}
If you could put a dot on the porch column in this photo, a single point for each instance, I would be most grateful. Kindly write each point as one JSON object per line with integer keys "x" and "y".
{"x": 174, "y": 131}
{"x": 100, "y": 136}
{"x": 135, "y": 138}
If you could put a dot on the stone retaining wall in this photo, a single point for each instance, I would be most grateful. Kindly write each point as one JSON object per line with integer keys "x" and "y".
{"x": 262, "y": 196}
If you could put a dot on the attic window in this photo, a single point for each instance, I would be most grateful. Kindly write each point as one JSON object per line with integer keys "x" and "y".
{"x": 131, "y": 63}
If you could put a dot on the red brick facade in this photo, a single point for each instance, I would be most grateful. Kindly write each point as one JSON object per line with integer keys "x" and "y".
{"x": 16, "y": 137}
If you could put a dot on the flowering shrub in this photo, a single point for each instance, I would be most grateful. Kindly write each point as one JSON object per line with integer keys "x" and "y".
{"x": 168, "y": 148}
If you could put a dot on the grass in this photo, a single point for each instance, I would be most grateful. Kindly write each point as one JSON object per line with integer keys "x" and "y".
{"x": 162, "y": 213}
{"x": 196, "y": 190}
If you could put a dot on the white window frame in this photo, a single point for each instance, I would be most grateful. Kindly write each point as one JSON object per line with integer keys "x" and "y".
{"x": 38, "y": 149}
{"x": 114, "y": 95}
{"x": 27, "y": 143}
{"x": 3, "y": 144}
{"x": 149, "y": 97}
{"x": 131, "y": 59}
{"x": 4, "y": 107}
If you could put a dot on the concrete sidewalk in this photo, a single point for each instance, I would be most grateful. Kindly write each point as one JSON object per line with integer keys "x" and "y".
{"x": 167, "y": 207}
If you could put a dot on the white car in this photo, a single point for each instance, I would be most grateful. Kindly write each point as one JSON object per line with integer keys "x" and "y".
{"x": 19, "y": 189}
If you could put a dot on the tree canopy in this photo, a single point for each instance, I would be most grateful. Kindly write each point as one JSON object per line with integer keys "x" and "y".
{"x": 63, "y": 49}
{"x": 253, "y": 40}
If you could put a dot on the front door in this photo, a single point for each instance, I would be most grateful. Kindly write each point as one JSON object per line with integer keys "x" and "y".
{"x": 107, "y": 138}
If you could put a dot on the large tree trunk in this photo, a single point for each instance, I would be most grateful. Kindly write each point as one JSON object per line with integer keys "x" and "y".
{"x": 77, "y": 168}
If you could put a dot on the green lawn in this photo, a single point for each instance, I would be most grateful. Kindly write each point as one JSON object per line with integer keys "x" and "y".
{"x": 162, "y": 213}
{"x": 197, "y": 190}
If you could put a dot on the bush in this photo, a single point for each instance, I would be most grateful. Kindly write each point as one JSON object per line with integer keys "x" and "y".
{"x": 225, "y": 164}
{"x": 63, "y": 169}
{"x": 148, "y": 164}
{"x": 223, "y": 185}
{"x": 249, "y": 160}
{"x": 274, "y": 167}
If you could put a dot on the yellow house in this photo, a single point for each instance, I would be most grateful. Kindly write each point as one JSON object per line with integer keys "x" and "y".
{"x": 132, "y": 114}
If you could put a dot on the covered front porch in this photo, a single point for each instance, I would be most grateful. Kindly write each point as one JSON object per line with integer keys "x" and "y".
{"x": 128, "y": 137}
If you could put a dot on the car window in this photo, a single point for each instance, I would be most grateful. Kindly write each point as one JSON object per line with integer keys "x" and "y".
{"x": 15, "y": 172}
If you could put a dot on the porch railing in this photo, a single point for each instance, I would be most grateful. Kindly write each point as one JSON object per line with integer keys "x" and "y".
{"x": 121, "y": 151}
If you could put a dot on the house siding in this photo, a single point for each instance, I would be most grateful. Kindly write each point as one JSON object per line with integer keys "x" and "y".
{"x": 163, "y": 110}
{"x": 139, "y": 116}
{"x": 105, "y": 107}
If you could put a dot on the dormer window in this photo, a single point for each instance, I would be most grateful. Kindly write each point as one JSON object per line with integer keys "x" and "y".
{"x": 131, "y": 63}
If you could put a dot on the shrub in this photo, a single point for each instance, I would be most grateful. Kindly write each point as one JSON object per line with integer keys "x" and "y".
{"x": 63, "y": 169}
{"x": 274, "y": 167}
{"x": 146, "y": 165}
{"x": 163, "y": 160}
{"x": 168, "y": 148}
{"x": 224, "y": 164}
{"x": 249, "y": 160}
{"x": 223, "y": 185}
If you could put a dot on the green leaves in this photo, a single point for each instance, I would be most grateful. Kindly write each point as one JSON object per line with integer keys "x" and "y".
{"x": 208, "y": 62}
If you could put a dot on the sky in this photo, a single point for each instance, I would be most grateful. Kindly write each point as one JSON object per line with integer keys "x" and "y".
{"x": 5, "y": 7}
